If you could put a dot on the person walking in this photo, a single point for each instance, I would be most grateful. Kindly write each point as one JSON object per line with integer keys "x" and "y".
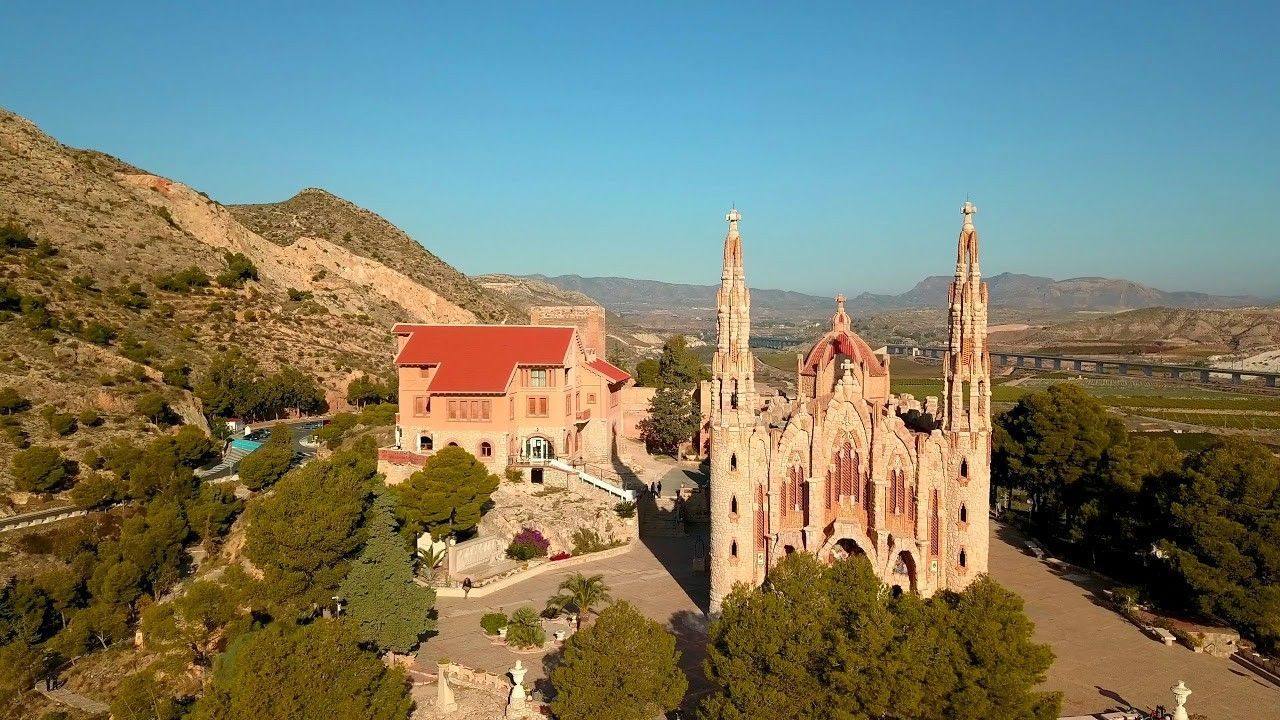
{"x": 466, "y": 588}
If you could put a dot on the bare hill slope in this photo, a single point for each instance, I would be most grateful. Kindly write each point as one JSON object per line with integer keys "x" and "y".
{"x": 83, "y": 318}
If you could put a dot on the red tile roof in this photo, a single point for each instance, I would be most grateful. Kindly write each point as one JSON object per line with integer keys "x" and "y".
{"x": 481, "y": 358}
{"x": 609, "y": 370}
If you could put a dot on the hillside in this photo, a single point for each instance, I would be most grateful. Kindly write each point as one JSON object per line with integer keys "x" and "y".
{"x": 317, "y": 213}
{"x": 1023, "y": 292}
{"x": 626, "y": 343}
{"x": 87, "y": 327}
{"x": 1042, "y": 293}
{"x": 1163, "y": 329}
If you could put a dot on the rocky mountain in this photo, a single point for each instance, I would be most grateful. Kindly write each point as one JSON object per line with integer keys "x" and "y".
{"x": 626, "y": 343}
{"x": 1025, "y": 292}
{"x": 90, "y": 313}
{"x": 1042, "y": 293}
{"x": 317, "y": 213}
{"x": 1155, "y": 330}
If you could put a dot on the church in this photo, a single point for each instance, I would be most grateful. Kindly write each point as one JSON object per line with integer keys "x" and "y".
{"x": 837, "y": 470}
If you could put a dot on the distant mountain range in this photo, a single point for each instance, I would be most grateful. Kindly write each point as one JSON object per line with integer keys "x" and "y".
{"x": 1029, "y": 292}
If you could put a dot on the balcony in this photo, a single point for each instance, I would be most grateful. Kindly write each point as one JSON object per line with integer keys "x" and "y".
{"x": 583, "y": 415}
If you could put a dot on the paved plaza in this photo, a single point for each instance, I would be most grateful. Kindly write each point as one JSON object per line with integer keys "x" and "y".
{"x": 1102, "y": 660}
{"x": 1105, "y": 661}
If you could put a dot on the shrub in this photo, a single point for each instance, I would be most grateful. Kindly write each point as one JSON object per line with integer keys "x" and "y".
{"x": 379, "y": 415}
{"x": 625, "y": 509}
{"x": 493, "y": 622}
{"x": 586, "y": 540}
{"x": 61, "y": 423}
{"x": 299, "y": 295}
{"x": 560, "y": 556}
{"x": 266, "y": 465}
{"x": 239, "y": 269}
{"x": 98, "y": 333}
{"x": 524, "y": 629}
{"x": 153, "y": 407}
{"x": 13, "y": 236}
{"x": 528, "y": 544}
{"x": 39, "y": 469}
{"x": 12, "y": 402}
{"x": 513, "y": 474}
{"x": 183, "y": 280}
{"x": 131, "y": 296}
{"x": 89, "y": 418}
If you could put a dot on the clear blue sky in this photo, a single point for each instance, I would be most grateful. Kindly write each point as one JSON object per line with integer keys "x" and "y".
{"x": 1124, "y": 139}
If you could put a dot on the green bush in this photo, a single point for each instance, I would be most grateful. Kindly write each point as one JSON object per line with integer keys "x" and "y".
{"x": 513, "y": 474}
{"x": 89, "y": 418}
{"x": 183, "y": 280}
{"x": 524, "y": 630}
{"x": 493, "y": 622}
{"x": 11, "y": 401}
{"x": 239, "y": 269}
{"x": 98, "y": 333}
{"x": 586, "y": 540}
{"x": 39, "y": 469}
{"x": 379, "y": 415}
{"x": 266, "y": 465}
{"x": 61, "y": 423}
{"x": 625, "y": 509}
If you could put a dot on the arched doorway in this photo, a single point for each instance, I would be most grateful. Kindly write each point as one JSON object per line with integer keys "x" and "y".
{"x": 846, "y": 548}
{"x": 904, "y": 568}
{"x": 538, "y": 448}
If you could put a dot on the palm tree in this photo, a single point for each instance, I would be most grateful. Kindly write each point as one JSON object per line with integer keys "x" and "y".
{"x": 580, "y": 594}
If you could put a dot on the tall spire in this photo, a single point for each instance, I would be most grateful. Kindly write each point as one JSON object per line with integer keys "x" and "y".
{"x": 967, "y": 371}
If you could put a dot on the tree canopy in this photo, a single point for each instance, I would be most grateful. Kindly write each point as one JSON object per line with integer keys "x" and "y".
{"x": 819, "y": 641}
{"x": 387, "y": 609}
{"x": 310, "y": 672}
{"x": 448, "y": 495}
{"x": 305, "y": 532}
{"x": 234, "y": 386}
{"x": 1108, "y": 498}
{"x": 265, "y": 466}
{"x": 678, "y": 367}
{"x": 672, "y": 420}
{"x": 623, "y": 667}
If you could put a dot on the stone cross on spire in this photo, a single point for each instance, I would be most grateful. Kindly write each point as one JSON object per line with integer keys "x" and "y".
{"x": 969, "y": 210}
{"x": 732, "y": 217}
{"x": 840, "y": 320}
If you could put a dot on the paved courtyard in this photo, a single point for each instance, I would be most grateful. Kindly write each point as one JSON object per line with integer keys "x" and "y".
{"x": 1102, "y": 661}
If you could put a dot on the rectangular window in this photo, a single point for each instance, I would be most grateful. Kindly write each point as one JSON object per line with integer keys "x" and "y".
{"x": 422, "y": 405}
{"x": 537, "y": 378}
{"x": 453, "y": 410}
{"x": 475, "y": 409}
{"x": 462, "y": 410}
{"x": 537, "y": 407}
{"x": 484, "y": 409}
{"x": 591, "y": 398}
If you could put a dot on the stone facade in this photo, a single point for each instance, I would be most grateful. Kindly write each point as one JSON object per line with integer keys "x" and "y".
{"x": 589, "y": 319}
{"x": 836, "y": 471}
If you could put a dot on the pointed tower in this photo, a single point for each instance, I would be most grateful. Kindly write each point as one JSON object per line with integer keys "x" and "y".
{"x": 967, "y": 371}
{"x": 732, "y": 505}
{"x": 966, "y": 417}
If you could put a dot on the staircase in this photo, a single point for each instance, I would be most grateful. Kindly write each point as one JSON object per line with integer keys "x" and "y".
{"x": 229, "y": 461}
{"x": 583, "y": 475}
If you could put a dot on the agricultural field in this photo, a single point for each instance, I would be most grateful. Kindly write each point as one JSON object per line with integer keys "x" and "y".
{"x": 1145, "y": 400}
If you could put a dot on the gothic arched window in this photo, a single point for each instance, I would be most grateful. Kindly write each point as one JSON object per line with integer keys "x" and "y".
{"x": 733, "y": 549}
{"x": 964, "y": 514}
{"x": 733, "y": 504}
{"x": 935, "y": 538}
{"x": 963, "y": 559}
{"x": 733, "y": 461}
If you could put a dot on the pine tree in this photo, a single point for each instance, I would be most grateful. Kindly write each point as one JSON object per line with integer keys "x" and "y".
{"x": 624, "y": 667}
{"x": 672, "y": 419}
{"x": 386, "y": 607}
{"x": 448, "y": 495}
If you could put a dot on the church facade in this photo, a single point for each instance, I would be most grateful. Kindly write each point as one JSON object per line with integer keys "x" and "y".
{"x": 837, "y": 470}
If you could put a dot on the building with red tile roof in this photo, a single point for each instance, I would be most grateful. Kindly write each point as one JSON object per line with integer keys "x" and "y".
{"x": 512, "y": 395}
